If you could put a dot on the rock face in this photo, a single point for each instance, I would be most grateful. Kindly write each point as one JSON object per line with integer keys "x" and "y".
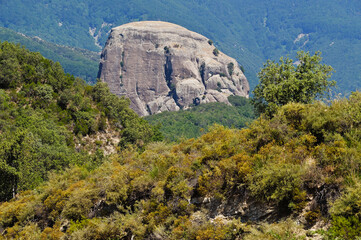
{"x": 164, "y": 67}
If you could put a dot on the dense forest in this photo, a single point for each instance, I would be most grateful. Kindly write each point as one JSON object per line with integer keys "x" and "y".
{"x": 250, "y": 31}
{"x": 77, "y": 163}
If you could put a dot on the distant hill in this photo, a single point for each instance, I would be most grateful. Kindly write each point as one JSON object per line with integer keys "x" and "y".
{"x": 194, "y": 122}
{"x": 250, "y": 31}
{"x": 79, "y": 62}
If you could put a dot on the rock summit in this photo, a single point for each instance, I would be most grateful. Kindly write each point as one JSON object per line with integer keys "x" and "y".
{"x": 161, "y": 67}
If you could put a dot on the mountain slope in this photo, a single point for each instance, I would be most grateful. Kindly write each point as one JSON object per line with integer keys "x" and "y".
{"x": 250, "y": 31}
{"x": 194, "y": 122}
{"x": 79, "y": 62}
{"x": 50, "y": 120}
{"x": 299, "y": 172}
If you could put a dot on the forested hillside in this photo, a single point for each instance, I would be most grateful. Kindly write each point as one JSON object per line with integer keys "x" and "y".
{"x": 50, "y": 120}
{"x": 298, "y": 169}
{"x": 250, "y": 31}
{"x": 77, "y": 163}
{"x": 194, "y": 122}
{"x": 79, "y": 62}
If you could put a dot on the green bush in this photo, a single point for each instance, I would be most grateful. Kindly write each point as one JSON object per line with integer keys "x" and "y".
{"x": 346, "y": 228}
{"x": 284, "y": 230}
{"x": 215, "y": 52}
{"x": 278, "y": 183}
{"x": 230, "y": 68}
{"x": 349, "y": 204}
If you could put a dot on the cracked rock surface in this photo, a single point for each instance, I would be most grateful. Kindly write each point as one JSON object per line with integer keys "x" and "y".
{"x": 161, "y": 67}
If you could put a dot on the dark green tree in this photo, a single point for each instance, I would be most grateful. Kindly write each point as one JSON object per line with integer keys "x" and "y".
{"x": 302, "y": 81}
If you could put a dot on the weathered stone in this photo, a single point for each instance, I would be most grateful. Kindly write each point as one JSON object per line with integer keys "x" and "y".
{"x": 164, "y": 67}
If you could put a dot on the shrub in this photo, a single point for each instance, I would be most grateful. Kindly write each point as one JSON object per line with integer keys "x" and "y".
{"x": 215, "y": 52}
{"x": 312, "y": 217}
{"x": 286, "y": 230}
{"x": 84, "y": 123}
{"x": 277, "y": 182}
{"x": 242, "y": 68}
{"x": 349, "y": 204}
{"x": 230, "y": 68}
{"x": 346, "y": 228}
{"x": 44, "y": 93}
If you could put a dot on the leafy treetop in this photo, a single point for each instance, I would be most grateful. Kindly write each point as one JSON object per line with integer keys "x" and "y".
{"x": 286, "y": 81}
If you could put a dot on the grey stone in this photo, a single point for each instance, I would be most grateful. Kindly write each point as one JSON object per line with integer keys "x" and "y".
{"x": 164, "y": 67}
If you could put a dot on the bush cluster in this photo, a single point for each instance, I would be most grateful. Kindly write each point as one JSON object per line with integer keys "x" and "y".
{"x": 163, "y": 190}
{"x": 280, "y": 162}
{"x": 45, "y": 113}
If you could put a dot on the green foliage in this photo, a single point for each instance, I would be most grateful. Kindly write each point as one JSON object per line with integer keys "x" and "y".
{"x": 45, "y": 113}
{"x": 282, "y": 83}
{"x": 230, "y": 68}
{"x": 215, "y": 52}
{"x": 79, "y": 62}
{"x": 346, "y": 213}
{"x": 27, "y": 68}
{"x": 195, "y": 121}
{"x": 279, "y": 183}
{"x": 137, "y": 194}
{"x": 312, "y": 217}
{"x": 346, "y": 228}
{"x": 285, "y": 230}
{"x": 135, "y": 129}
{"x": 171, "y": 191}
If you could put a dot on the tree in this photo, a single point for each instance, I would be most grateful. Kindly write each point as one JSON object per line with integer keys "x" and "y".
{"x": 286, "y": 81}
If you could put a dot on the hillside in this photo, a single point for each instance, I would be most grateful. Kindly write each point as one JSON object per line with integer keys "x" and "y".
{"x": 194, "y": 122}
{"x": 77, "y": 163}
{"x": 79, "y": 62}
{"x": 295, "y": 176}
{"x": 250, "y": 31}
{"x": 50, "y": 120}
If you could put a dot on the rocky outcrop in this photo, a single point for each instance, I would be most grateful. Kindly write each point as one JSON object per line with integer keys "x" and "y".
{"x": 164, "y": 67}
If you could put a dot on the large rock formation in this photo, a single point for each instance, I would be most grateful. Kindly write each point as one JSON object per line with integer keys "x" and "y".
{"x": 164, "y": 67}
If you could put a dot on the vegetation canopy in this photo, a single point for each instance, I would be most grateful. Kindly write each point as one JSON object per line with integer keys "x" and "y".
{"x": 302, "y": 81}
{"x": 297, "y": 170}
{"x": 194, "y": 122}
{"x": 50, "y": 120}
